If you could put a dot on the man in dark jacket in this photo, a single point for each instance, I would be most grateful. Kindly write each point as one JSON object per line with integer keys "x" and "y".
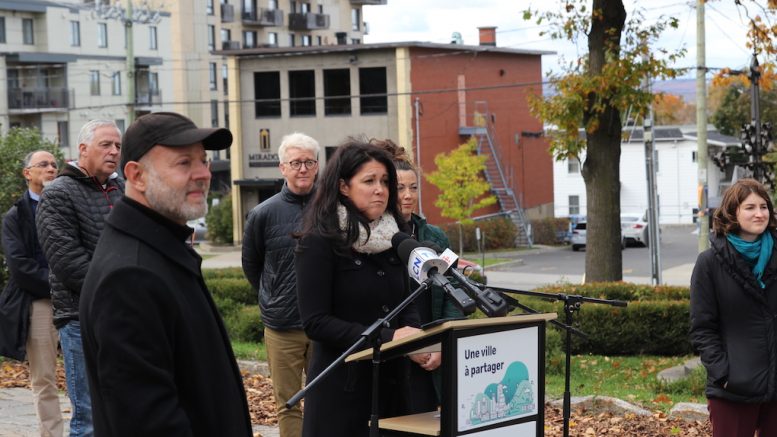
{"x": 26, "y": 326}
{"x": 268, "y": 263}
{"x": 157, "y": 354}
{"x": 70, "y": 218}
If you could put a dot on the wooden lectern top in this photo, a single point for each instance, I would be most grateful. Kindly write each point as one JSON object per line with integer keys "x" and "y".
{"x": 453, "y": 324}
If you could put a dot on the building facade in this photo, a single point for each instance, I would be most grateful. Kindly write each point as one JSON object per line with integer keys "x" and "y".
{"x": 65, "y": 64}
{"x": 429, "y": 98}
{"x": 676, "y": 175}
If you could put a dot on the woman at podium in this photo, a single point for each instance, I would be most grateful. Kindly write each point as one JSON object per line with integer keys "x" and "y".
{"x": 348, "y": 276}
{"x": 422, "y": 380}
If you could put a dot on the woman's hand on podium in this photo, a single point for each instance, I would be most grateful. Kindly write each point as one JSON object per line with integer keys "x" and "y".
{"x": 404, "y": 331}
{"x": 434, "y": 361}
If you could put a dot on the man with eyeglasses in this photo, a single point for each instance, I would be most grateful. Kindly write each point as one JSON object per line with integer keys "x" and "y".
{"x": 70, "y": 218}
{"x": 26, "y": 327}
{"x": 268, "y": 263}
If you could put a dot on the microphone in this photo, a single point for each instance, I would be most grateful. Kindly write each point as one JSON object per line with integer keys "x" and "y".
{"x": 424, "y": 265}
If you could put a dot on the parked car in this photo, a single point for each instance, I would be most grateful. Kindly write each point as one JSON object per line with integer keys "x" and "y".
{"x": 635, "y": 228}
{"x": 200, "y": 229}
{"x": 578, "y": 239}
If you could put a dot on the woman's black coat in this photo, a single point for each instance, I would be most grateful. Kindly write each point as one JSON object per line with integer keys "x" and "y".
{"x": 734, "y": 324}
{"x": 339, "y": 298}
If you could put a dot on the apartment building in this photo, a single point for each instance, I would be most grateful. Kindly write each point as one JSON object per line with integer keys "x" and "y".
{"x": 201, "y": 29}
{"x": 427, "y": 97}
{"x": 65, "y": 64}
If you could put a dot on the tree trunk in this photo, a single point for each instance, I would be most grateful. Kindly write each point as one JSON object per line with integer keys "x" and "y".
{"x": 601, "y": 170}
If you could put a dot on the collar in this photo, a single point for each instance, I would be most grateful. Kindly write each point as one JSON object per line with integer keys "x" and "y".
{"x": 293, "y": 197}
{"x": 33, "y": 195}
{"x": 181, "y": 232}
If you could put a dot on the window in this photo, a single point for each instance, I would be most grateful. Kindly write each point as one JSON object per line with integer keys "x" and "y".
{"x": 116, "y": 83}
{"x": 337, "y": 92}
{"x": 573, "y": 165}
{"x": 372, "y": 90}
{"x": 212, "y": 75}
{"x": 355, "y": 19}
{"x": 272, "y": 39}
{"x": 120, "y": 125}
{"x": 211, "y": 37}
{"x": 102, "y": 35}
{"x": 302, "y": 93}
{"x": 355, "y": 41}
{"x": 306, "y": 40}
{"x": 152, "y": 40}
{"x": 94, "y": 82}
{"x": 249, "y": 39}
{"x": 320, "y": 9}
{"x": 2, "y": 30}
{"x": 293, "y": 6}
{"x": 319, "y": 40}
{"x": 267, "y": 92}
{"x": 209, "y": 7}
{"x": 574, "y": 205}
{"x": 226, "y": 35}
{"x": 305, "y": 8}
{"x": 226, "y": 115}
{"x": 75, "y": 33}
{"x": 224, "y": 78}
{"x": 272, "y": 5}
{"x": 153, "y": 83}
{"x": 214, "y": 113}
{"x": 63, "y": 134}
{"x": 249, "y": 6}
{"x": 292, "y": 40}
{"x": 28, "y": 34}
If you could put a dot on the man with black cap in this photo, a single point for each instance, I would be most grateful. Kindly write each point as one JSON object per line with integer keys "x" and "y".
{"x": 157, "y": 355}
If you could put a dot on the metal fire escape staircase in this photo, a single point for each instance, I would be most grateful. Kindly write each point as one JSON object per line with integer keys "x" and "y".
{"x": 485, "y": 136}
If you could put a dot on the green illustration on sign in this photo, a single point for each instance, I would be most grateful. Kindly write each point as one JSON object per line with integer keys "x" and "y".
{"x": 512, "y": 396}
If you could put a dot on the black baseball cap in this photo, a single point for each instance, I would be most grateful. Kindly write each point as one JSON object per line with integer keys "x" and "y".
{"x": 170, "y": 130}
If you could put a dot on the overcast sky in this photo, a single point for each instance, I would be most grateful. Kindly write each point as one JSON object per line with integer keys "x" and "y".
{"x": 436, "y": 20}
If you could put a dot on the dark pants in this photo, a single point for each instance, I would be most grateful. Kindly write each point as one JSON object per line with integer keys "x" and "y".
{"x": 737, "y": 419}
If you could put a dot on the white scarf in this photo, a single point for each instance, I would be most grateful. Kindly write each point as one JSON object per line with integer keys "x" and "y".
{"x": 381, "y": 231}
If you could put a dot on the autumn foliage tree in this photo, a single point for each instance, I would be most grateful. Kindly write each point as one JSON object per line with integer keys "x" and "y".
{"x": 671, "y": 109}
{"x": 592, "y": 93}
{"x": 459, "y": 176}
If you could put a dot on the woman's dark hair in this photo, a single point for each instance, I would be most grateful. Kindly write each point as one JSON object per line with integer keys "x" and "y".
{"x": 321, "y": 215}
{"x": 725, "y": 219}
{"x": 398, "y": 155}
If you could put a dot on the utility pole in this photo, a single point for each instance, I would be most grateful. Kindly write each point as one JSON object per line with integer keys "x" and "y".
{"x": 701, "y": 128}
{"x": 128, "y": 16}
{"x": 652, "y": 213}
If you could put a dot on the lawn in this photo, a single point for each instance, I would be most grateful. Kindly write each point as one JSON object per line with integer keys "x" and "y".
{"x": 630, "y": 378}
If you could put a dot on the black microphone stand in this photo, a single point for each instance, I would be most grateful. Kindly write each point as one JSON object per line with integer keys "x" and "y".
{"x": 371, "y": 335}
{"x": 572, "y": 303}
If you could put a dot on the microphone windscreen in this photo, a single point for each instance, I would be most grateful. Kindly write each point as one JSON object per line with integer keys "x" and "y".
{"x": 405, "y": 248}
{"x": 398, "y": 238}
{"x": 432, "y": 245}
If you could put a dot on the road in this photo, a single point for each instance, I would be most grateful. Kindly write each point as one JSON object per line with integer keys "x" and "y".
{"x": 679, "y": 248}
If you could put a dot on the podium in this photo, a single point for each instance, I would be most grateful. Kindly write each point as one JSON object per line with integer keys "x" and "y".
{"x": 493, "y": 378}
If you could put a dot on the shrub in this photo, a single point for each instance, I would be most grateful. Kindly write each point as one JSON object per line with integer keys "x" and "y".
{"x": 235, "y": 289}
{"x": 219, "y": 220}
{"x": 228, "y": 272}
{"x": 500, "y": 233}
{"x": 549, "y": 230}
{"x": 245, "y": 324}
{"x": 554, "y": 350}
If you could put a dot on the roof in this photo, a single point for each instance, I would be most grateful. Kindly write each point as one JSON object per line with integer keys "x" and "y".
{"x": 347, "y": 48}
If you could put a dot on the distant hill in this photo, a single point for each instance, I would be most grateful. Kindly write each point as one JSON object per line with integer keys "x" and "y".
{"x": 685, "y": 88}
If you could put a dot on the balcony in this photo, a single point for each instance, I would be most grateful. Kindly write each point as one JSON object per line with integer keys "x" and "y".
{"x": 230, "y": 45}
{"x": 39, "y": 99}
{"x": 227, "y": 13}
{"x": 148, "y": 97}
{"x": 368, "y": 2}
{"x": 264, "y": 17}
{"x": 308, "y": 21}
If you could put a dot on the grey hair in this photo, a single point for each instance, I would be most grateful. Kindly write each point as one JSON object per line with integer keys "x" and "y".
{"x": 86, "y": 135}
{"x": 297, "y": 140}
{"x": 28, "y": 158}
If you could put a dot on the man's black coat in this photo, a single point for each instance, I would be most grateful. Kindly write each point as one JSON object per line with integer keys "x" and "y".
{"x": 157, "y": 355}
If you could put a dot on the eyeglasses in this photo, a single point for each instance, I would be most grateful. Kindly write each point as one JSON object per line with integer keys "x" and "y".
{"x": 309, "y": 164}
{"x": 44, "y": 164}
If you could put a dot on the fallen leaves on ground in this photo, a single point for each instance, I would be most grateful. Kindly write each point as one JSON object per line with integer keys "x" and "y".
{"x": 261, "y": 405}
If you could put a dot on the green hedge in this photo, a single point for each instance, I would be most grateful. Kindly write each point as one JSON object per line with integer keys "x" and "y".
{"x": 237, "y": 302}
{"x": 500, "y": 233}
{"x": 237, "y": 289}
{"x": 655, "y": 322}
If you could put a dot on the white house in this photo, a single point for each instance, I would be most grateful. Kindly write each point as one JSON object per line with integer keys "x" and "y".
{"x": 676, "y": 175}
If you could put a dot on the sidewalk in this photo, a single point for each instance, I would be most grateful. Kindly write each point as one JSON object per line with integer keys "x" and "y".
{"x": 17, "y": 415}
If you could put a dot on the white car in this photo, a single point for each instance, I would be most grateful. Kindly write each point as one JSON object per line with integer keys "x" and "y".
{"x": 635, "y": 228}
{"x": 578, "y": 237}
{"x": 200, "y": 229}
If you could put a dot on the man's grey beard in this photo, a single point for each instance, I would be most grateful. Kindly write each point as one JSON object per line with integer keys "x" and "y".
{"x": 171, "y": 203}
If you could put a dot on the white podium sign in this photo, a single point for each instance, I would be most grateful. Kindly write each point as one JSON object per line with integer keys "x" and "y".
{"x": 497, "y": 375}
